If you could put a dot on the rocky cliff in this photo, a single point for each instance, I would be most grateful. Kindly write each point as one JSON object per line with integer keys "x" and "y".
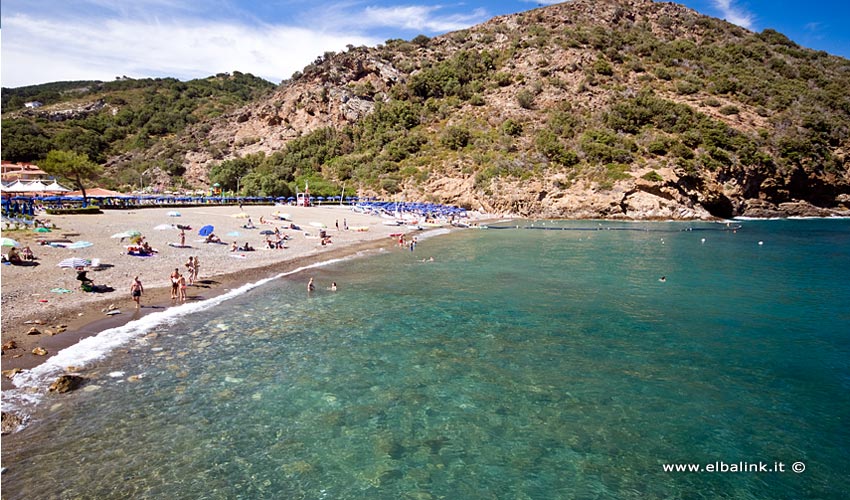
{"x": 603, "y": 108}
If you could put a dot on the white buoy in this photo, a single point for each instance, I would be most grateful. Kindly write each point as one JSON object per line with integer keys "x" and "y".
{"x": 761, "y": 243}
{"x": 702, "y": 240}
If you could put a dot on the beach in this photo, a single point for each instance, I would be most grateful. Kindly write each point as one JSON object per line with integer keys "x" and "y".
{"x": 48, "y": 299}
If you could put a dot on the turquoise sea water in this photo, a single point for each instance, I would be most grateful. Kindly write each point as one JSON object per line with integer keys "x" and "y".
{"x": 518, "y": 364}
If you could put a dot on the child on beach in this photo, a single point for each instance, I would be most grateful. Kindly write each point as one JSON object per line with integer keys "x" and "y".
{"x": 136, "y": 290}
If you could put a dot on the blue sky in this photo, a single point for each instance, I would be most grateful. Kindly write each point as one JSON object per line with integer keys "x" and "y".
{"x": 55, "y": 40}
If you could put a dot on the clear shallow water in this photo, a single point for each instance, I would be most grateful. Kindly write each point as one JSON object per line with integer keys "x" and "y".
{"x": 518, "y": 364}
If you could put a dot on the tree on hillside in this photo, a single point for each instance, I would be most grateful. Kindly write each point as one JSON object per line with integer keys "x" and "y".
{"x": 75, "y": 167}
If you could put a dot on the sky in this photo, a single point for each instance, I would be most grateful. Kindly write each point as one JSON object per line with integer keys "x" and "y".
{"x": 45, "y": 41}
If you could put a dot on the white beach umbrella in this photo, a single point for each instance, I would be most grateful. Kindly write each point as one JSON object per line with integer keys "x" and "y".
{"x": 74, "y": 262}
{"x": 9, "y": 242}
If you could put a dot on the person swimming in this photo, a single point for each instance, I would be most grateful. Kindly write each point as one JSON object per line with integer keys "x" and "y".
{"x": 662, "y": 279}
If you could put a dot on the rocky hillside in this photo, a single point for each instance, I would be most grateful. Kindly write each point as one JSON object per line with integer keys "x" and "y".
{"x": 591, "y": 108}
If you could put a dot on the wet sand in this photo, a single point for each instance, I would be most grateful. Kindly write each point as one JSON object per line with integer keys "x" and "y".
{"x": 26, "y": 295}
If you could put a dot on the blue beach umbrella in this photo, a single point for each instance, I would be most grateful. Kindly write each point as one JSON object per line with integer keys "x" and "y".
{"x": 206, "y": 230}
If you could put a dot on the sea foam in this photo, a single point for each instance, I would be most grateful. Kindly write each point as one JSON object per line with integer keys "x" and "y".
{"x": 31, "y": 385}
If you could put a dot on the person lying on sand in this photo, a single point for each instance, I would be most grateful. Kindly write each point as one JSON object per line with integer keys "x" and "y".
{"x": 212, "y": 238}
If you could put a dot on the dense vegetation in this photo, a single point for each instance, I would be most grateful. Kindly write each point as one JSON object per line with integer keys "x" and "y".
{"x": 594, "y": 95}
{"x": 102, "y": 120}
{"x": 673, "y": 102}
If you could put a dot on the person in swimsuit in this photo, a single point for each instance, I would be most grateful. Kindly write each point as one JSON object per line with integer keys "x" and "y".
{"x": 181, "y": 282}
{"x": 136, "y": 290}
{"x": 175, "y": 286}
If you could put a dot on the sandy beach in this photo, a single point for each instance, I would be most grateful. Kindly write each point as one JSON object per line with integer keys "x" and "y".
{"x": 48, "y": 298}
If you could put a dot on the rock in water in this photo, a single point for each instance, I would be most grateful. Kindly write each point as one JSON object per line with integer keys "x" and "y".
{"x": 39, "y": 351}
{"x": 66, "y": 383}
{"x": 33, "y": 331}
{"x": 10, "y": 422}
{"x": 9, "y": 345}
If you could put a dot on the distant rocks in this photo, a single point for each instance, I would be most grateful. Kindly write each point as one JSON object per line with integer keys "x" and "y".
{"x": 75, "y": 113}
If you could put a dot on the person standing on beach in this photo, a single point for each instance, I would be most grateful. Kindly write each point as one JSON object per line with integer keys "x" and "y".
{"x": 197, "y": 270}
{"x": 182, "y": 238}
{"x": 175, "y": 276}
{"x": 136, "y": 290}
{"x": 181, "y": 283}
{"x": 190, "y": 270}
{"x": 336, "y": 222}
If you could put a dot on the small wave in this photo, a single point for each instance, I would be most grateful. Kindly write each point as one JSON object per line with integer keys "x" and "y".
{"x": 31, "y": 385}
{"x": 430, "y": 234}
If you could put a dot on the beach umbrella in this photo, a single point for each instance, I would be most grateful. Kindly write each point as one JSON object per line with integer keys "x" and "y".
{"x": 74, "y": 262}
{"x": 126, "y": 234}
{"x": 42, "y": 230}
{"x": 80, "y": 244}
{"x": 173, "y": 214}
{"x": 8, "y": 242}
{"x": 206, "y": 230}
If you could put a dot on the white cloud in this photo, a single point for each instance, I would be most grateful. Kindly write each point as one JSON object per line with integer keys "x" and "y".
{"x": 733, "y": 14}
{"x": 101, "y": 39}
{"x": 350, "y": 16}
{"x": 418, "y": 17}
{"x": 38, "y": 50}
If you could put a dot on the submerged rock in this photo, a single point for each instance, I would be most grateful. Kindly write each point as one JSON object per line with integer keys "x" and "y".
{"x": 66, "y": 383}
{"x": 10, "y": 422}
{"x": 33, "y": 331}
{"x": 39, "y": 351}
{"x": 10, "y": 345}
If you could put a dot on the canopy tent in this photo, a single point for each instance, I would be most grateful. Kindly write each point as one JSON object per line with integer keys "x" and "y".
{"x": 98, "y": 193}
{"x": 55, "y": 187}
{"x": 25, "y": 187}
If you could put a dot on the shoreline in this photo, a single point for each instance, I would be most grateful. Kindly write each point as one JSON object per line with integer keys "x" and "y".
{"x": 64, "y": 319}
{"x": 92, "y": 321}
